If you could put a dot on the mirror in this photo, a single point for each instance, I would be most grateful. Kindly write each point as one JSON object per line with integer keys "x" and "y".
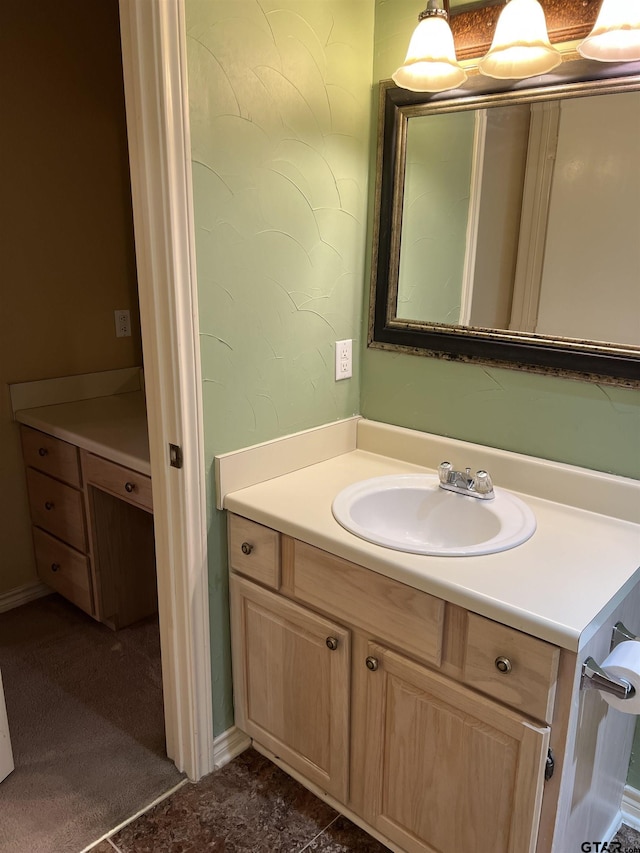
{"x": 507, "y": 226}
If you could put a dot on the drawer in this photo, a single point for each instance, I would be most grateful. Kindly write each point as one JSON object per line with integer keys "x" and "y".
{"x": 254, "y": 551}
{"x": 387, "y": 609}
{"x": 51, "y": 455}
{"x": 64, "y": 569}
{"x": 57, "y": 508}
{"x": 530, "y": 666}
{"x": 124, "y": 483}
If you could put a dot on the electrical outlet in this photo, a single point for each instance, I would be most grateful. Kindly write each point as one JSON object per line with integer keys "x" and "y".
{"x": 123, "y": 323}
{"x": 344, "y": 359}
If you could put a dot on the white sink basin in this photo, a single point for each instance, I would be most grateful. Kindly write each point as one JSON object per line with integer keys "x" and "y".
{"x": 410, "y": 512}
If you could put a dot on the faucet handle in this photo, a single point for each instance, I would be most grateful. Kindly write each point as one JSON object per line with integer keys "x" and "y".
{"x": 483, "y": 483}
{"x": 445, "y": 471}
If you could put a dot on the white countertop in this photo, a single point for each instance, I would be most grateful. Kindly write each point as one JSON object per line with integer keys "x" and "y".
{"x": 559, "y": 585}
{"x": 114, "y": 427}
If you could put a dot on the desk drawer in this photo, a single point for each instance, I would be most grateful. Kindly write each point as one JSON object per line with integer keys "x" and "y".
{"x": 529, "y": 666}
{"x": 124, "y": 483}
{"x": 387, "y": 609}
{"x": 57, "y": 508}
{"x": 50, "y": 455}
{"x": 64, "y": 569}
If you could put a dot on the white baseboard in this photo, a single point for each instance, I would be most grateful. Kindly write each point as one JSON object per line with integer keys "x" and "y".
{"x": 227, "y": 745}
{"x": 23, "y": 595}
{"x": 631, "y": 807}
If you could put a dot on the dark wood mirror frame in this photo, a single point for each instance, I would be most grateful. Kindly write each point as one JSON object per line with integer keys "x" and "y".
{"x": 538, "y": 353}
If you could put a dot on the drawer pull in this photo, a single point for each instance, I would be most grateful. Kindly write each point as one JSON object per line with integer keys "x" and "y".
{"x": 332, "y": 643}
{"x": 48, "y": 505}
{"x": 246, "y": 548}
{"x": 129, "y": 487}
{"x": 372, "y": 663}
{"x": 55, "y": 567}
{"x": 503, "y": 664}
{"x": 42, "y": 451}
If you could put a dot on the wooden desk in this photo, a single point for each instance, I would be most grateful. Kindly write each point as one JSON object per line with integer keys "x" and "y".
{"x": 87, "y": 469}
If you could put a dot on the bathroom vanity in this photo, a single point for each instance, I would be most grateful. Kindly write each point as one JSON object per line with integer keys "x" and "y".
{"x": 434, "y": 700}
{"x": 89, "y": 487}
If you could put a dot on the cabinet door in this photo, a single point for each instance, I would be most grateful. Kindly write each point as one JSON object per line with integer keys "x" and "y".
{"x": 291, "y": 684}
{"x": 446, "y": 769}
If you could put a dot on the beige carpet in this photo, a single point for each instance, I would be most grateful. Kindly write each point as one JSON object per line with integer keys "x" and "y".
{"x": 86, "y": 724}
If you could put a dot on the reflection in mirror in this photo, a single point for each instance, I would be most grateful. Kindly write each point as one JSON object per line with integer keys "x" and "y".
{"x": 507, "y": 224}
{"x": 525, "y": 218}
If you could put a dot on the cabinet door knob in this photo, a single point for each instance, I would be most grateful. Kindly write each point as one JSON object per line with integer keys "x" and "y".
{"x": 55, "y": 567}
{"x": 503, "y": 664}
{"x": 48, "y": 505}
{"x": 246, "y": 548}
{"x": 42, "y": 451}
{"x": 372, "y": 663}
{"x": 129, "y": 487}
{"x": 332, "y": 643}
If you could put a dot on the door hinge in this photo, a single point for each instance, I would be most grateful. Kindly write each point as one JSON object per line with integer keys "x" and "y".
{"x": 550, "y": 765}
{"x": 175, "y": 456}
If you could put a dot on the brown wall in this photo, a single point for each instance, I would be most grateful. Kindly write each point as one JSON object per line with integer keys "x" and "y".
{"x": 67, "y": 257}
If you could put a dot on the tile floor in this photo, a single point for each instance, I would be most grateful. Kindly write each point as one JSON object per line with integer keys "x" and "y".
{"x": 251, "y": 806}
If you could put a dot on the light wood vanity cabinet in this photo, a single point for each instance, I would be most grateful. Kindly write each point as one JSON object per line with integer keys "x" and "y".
{"x": 378, "y": 694}
{"x": 92, "y": 529}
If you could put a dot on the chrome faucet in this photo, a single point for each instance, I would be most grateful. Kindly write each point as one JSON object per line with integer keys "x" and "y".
{"x": 462, "y": 482}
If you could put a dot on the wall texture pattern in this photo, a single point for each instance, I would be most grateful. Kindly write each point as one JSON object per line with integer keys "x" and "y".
{"x": 280, "y": 110}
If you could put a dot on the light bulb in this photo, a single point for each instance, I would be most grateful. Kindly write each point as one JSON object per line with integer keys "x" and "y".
{"x": 521, "y": 46}
{"x": 430, "y": 64}
{"x": 615, "y": 36}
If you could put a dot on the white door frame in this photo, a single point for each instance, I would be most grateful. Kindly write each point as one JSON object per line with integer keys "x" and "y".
{"x": 154, "y": 64}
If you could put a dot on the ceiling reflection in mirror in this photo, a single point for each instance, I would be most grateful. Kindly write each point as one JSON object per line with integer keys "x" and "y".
{"x": 525, "y": 218}
{"x": 507, "y": 225}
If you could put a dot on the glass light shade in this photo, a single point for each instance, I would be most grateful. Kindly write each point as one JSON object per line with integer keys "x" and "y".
{"x": 521, "y": 46}
{"x": 430, "y": 64}
{"x": 615, "y": 36}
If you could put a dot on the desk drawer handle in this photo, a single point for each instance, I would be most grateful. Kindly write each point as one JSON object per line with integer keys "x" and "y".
{"x": 503, "y": 664}
{"x": 55, "y": 567}
{"x": 129, "y": 487}
{"x": 246, "y": 548}
{"x": 42, "y": 451}
{"x": 49, "y": 505}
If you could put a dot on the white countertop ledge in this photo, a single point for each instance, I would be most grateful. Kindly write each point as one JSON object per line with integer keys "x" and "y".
{"x": 559, "y": 585}
{"x": 114, "y": 427}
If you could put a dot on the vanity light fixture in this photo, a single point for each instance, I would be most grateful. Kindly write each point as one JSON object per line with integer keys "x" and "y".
{"x": 431, "y": 64}
{"x": 520, "y": 46}
{"x": 615, "y": 36}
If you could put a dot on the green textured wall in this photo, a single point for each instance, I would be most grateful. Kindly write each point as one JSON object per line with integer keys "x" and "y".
{"x": 280, "y": 116}
{"x": 576, "y": 422}
{"x": 434, "y": 216}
